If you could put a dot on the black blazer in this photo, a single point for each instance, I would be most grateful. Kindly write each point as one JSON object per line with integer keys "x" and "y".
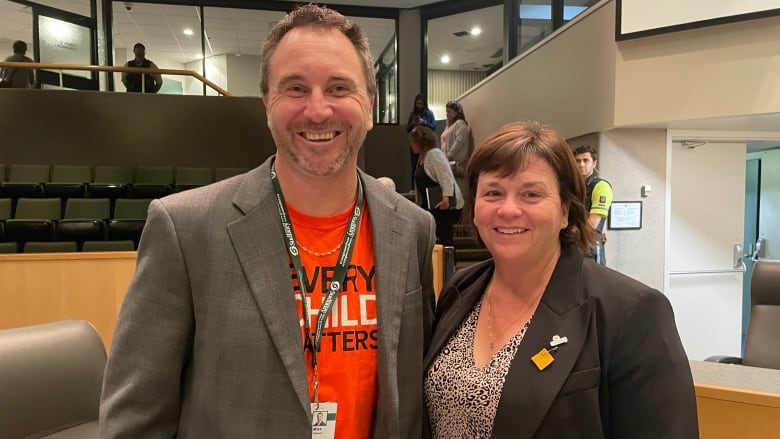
{"x": 623, "y": 374}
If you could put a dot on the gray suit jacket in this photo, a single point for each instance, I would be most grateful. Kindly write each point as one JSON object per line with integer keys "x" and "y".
{"x": 622, "y": 374}
{"x": 208, "y": 342}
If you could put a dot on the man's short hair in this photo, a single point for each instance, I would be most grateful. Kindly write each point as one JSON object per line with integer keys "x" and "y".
{"x": 20, "y": 47}
{"x": 586, "y": 149}
{"x": 324, "y": 18}
{"x": 139, "y": 45}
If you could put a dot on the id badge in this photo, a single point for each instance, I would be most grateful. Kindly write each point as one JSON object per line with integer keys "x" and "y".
{"x": 323, "y": 424}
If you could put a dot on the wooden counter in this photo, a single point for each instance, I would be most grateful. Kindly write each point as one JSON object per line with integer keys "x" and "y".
{"x": 45, "y": 287}
{"x": 737, "y": 401}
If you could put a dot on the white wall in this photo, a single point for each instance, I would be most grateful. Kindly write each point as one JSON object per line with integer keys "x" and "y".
{"x": 244, "y": 75}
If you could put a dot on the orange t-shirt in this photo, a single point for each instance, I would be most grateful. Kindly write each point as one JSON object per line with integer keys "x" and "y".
{"x": 348, "y": 349}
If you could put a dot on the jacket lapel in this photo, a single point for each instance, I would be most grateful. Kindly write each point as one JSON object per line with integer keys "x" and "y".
{"x": 529, "y": 392}
{"x": 391, "y": 260}
{"x": 257, "y": 240}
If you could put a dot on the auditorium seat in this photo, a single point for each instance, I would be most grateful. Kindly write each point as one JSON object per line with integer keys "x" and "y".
{"x": 152, "y": 182}
{"x": 68, "y": 181}
{"x": 25, "y": 181}
{"x": 129, "y": 220}
{"x": 50, "y": 247}
{"x": 8, "y": 247}
{"x": 111, "y": 182}
{"x": 33, "y": 220}
{"x": 51, "y": 376}
{"x": 189, "y": 178}
{"x": 108, "y": 246}
{"x": 223, "y": 173}
{"x": 85, "y": 219}
{"x": 762, "y": 341}
{"x": 5, "y": 213}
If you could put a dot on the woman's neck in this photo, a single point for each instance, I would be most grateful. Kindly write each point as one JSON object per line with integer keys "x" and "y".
{"x": 512, "y": 284}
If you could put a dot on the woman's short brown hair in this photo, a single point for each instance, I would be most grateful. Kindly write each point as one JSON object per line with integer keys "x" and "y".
{"x": 424, "y": 137}
{"x": 509, "y": 151}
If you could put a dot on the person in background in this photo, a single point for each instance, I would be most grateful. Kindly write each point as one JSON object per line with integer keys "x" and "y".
{"x": 455, "y": 142}
{"x": 303, "y": 285}
{"x": 14, "y": 77}
{"x": 598, "y": 198}
{"x": 387, "y": 181}
{"x": 433, "y": 171}
{"x": 136, "y": 82}
{"x": 540, "y": 341}
{"x": 421, "y": 115}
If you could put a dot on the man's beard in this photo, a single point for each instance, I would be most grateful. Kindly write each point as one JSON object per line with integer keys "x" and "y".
{"x": 285, "y": 143}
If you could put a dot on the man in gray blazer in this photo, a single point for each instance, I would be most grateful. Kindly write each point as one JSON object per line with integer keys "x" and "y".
{"x": 212, "y": 341}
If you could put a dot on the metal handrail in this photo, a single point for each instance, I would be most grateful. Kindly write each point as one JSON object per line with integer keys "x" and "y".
{"x": 142, "y": 70}
{"x": 724, "y": 271}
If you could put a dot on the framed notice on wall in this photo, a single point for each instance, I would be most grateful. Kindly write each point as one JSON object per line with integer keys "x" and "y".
{"x": 625, "y": 215}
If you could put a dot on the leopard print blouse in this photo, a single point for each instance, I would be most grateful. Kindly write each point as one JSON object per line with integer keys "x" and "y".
{"x": 462, "y": 399}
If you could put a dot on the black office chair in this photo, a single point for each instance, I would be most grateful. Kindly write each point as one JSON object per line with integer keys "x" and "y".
{"x": 762, "y": 342}
{"x": 51, "y": 376}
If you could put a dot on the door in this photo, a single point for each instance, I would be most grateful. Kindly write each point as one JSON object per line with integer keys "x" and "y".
{"x": 769, "y": 212}
{"x": 65, "y": 38}
{"x": 752, "y": 195}
{"x": 706, "y": 221}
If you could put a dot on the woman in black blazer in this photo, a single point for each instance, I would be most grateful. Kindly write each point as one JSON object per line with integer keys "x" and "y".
{"x": 540, "y": 342}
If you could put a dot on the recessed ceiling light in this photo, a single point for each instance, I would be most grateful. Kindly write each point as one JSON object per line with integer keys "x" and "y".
{"x": 476, "y": 30}
{"x": 188, "y": 31}
{"x": 199, "y": 56}
{"x": 445, "y": 59}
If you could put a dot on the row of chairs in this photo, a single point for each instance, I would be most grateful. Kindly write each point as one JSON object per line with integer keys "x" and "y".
{"x": 85, "y": 219}
{"x": 39, "y": 181}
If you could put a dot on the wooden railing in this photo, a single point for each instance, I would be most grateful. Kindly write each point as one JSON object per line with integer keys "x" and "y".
{"x": 141, "y": 70}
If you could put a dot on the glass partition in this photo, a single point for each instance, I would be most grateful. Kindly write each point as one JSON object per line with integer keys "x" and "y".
{"x": 171, "y": 35}
{"x": 462, "y": 50}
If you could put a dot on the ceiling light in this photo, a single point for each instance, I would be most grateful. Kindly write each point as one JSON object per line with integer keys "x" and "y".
{"x": 445, "y": 59}
{"x": 476, "y": 30}
{"x": 199, "y": 56}
{"x": 188, "y": 31}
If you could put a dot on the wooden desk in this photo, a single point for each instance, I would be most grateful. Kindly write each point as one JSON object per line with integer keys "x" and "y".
{"x": 737, "y": 401}
{"x": 45, "y": 287}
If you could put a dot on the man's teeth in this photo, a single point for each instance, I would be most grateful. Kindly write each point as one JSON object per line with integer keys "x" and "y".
{"x": 510, "y": 231}
{"x": 319, "y": 136}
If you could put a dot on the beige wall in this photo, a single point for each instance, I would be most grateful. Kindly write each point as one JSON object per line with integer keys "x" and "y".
{"x": 726, "y": 70}
{"x": 629, "y": 159}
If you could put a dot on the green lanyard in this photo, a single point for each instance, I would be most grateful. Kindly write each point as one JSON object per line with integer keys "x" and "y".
{"x": 347, "y": 245}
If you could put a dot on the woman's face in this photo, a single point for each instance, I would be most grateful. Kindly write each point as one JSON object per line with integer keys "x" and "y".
{"x": 419, "y": 105}
{"x": 451, "y": 115}
{"x": 520, "y": 217}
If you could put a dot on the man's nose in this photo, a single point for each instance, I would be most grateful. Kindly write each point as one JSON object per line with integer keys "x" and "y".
{"x": 318, "y": 107}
